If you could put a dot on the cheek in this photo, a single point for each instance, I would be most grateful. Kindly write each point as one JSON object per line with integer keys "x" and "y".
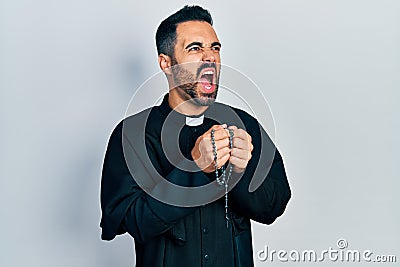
{"x": 192, "y": 58}
{"x": 217, "y": 57}
{"x": 191, "y": 66}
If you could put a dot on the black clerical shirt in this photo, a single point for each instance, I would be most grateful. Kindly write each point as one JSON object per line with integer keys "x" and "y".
{"x": 168, "y": 235}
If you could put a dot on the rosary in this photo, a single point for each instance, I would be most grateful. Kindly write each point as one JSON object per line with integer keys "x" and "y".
{"x": 225, "y": 178}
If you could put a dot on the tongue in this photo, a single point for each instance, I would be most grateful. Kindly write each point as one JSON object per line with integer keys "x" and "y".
{"x": 207, "y": 85}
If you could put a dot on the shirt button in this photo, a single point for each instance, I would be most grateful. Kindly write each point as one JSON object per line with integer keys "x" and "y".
{"x": 206, "y": 257}
{"x": 205, "y": 230}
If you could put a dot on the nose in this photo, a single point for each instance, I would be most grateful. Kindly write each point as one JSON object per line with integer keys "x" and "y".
{"x": 208, "y": 55}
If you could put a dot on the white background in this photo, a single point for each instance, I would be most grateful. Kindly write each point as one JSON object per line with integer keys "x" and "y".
{"x": 329, "y": 69}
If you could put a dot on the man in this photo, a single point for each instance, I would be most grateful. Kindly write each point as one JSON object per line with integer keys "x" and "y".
{"x": 192, "y": 142}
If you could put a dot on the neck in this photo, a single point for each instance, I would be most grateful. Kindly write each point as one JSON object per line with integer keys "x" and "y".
{"x": 184, "y": 106}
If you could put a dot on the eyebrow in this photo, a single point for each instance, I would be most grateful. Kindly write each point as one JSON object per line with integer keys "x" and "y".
{"x": 201, "y": 44}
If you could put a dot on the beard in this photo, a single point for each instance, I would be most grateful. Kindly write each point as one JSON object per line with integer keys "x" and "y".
{"x": 189, "y": 85}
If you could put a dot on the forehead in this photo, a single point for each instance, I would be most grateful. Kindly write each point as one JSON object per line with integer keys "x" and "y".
{"x": 195, "y": 31}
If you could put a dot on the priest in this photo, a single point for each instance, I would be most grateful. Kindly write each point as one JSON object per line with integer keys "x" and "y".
{"x": 185, "y": 178}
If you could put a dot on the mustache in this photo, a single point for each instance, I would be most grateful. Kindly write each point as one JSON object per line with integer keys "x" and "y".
{"x": 206, "y": 65}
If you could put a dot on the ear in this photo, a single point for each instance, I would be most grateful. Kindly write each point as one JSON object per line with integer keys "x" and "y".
{"x": 165, "y": 63}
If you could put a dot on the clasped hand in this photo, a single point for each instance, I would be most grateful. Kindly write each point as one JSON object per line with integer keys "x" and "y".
{"x": 239, "y": 155}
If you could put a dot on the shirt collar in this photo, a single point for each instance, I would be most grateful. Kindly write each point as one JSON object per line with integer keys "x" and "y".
{"x": 194, "y": 121}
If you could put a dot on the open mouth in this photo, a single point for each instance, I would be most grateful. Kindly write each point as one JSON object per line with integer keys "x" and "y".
{"x": 207, "y": 80}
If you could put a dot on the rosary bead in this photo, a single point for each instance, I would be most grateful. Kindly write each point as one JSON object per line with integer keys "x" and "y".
{"x": 225, "y": 178}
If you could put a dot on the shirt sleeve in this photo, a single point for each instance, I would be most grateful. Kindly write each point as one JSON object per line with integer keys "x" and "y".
{"x": 266, "y": 167}
{"x": 125, "y": 206}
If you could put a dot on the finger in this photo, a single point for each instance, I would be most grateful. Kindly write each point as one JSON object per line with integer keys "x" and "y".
{"x": 241, "y": 153}
{"x": 225, "y": 151}
{"x": 240, "y": 143}
{"x": 207, "y": 147}
{"x": 238, "y": 162}
{"x": 242, "y": 134}
{"x": 206, "y": 137}
{"x": 233, "y": 127}
{"x": 221, "y": 134}
{"x": 243, "y": 141}
{"x": 223, "y": 160}
{"x": 216, "y": 127}
{"x": 222, "y": 152}
{"x": 222, "y": 143}
{"x": 223, "y": 156}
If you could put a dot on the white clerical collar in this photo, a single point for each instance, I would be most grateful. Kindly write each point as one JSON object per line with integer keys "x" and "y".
{"x": 194, "y": 121}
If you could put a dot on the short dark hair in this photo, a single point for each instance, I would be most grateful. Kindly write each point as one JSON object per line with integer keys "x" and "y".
{"x": 166, "y": 32}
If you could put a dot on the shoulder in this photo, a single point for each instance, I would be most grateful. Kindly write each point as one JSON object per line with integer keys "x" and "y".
{"x": 137, "y": 122}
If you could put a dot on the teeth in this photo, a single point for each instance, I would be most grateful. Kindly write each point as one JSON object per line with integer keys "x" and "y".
{"x": 209, "y": 72}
